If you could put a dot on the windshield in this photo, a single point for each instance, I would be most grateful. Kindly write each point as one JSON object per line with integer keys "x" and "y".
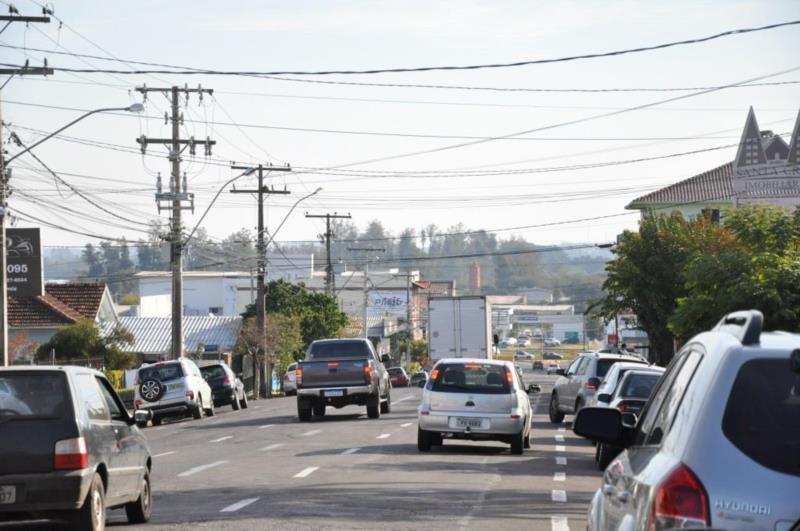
{"x": 338, "y": 349}
{"x": 213, "y": 371}
{"x": 471, "y": 378}
{"x": 603, "y": 365}
{"x": 639, "y": 385}
{"x": 162, "y": 373}
{"x": 33, "y": 395}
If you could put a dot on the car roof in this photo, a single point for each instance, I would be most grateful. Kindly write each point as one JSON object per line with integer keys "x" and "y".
{"x": 342, "y": 340}
{"x": 49, "y": 368}
{"x": 474, "y": 360}
{"x": 633, "y": 365}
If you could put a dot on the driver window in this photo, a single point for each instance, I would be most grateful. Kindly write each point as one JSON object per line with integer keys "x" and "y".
{"x": 582, "y": 367}
{"x": 574, "y": 367}
{"x": 113, "y": 406}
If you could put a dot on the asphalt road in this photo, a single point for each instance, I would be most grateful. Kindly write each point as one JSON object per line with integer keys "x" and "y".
{"x": 262, "y": 469}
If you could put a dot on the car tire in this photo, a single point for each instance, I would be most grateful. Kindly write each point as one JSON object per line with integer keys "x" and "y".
{"x": 605, "y": 454}
{"x": 518, "y": 442}
{"x": 374, "y": 407}
{"x": 243, "y": 401}
{"x": 139, "y": 511}
{"x": 157, "y": 421}
{"x": 303, "y": 413}
{"x": 92, "y": 515}
{"x": 197, "y": 410}
{"x": 319, "y": 409}
{"x": 556, "y": 416}
{"x": 210, "y": 410}
{"x": 235, "y": 403}
{"x": 526, "y": 442}
{"x": 423, "y": 440}
{"x": 578, "y": 406}
{"x": 386, "y": 406}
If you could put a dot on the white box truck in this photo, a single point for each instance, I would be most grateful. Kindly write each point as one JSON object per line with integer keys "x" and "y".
{"x": 459, "y": 327}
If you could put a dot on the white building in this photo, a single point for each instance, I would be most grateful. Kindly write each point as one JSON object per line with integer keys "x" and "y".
{"x": 560, "y": 319}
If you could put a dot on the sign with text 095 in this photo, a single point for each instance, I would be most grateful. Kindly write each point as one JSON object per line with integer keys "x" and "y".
{"x": 24, "y": 262}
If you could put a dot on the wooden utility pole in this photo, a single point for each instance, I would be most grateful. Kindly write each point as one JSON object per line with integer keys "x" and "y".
{"x": 5, "y": 177}
{"x": 176, "y": 197}
{"x": 330, "y": 278}
{"x": 262, "y": 361}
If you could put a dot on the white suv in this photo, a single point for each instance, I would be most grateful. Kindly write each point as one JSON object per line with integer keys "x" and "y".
{"x": 173, "y": 389}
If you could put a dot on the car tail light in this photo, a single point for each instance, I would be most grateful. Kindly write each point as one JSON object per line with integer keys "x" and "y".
{"x": 509, "y": 377}
{"x": 226, "y": 381}
{"x": 333, "y": 364}
{"x": 190, "y": 394}
{"x": 621, "y": 407}
{"x": 680, "y": 501}
{"x": 592, "y": 384}
{"x": 434, "y": 374}
{"x": 138, "y": 403}
{"x": 71, "y": 454}
{"x": 285, "y": 377}
{"x": 367, "y": 373}
{"x": 298, "y": 377}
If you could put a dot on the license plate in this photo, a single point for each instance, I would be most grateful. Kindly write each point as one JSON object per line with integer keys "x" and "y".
{"x": 336, "y": 392}
{"x": 8, "y": 494}
{"x": 467, "y": 422}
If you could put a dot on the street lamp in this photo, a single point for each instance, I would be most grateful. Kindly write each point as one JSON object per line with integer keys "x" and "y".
{"x": 4, "y": 355}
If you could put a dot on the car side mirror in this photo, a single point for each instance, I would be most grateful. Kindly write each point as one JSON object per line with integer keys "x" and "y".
{"x": 561, "y": 372}
{"x": 142, "y": 416}
{"x": 604, "y": 398}
{"x": 600, "y": 424}
{"x": 533, "y": 388}
{"x": 386, "y": 359}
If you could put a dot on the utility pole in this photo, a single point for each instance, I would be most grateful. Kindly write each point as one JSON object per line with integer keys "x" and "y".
{"x": 5, "y": 177}
{"x": 262, "y": 361}
{"x": 409, "y": 328}
{"x": 330, "y": 278}
{"x": 176, "y": 197}
{"x": 366, "y": 280}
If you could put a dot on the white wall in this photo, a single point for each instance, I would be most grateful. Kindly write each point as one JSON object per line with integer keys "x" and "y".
{"x": 199, "y": 295}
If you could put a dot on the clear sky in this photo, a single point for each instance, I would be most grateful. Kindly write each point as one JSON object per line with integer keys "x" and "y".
{"x": 269, "y": 120}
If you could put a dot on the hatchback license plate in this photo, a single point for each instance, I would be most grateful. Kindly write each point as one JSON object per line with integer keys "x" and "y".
{"x": 8, "y": 494}
{"x": 335, "y": 392}
{"x": 467, "y": 422}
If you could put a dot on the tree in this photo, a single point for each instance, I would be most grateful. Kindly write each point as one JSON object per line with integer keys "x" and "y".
{"x": 284, "y": 340}
{"x": 92, "y": 259}
{"x": 83, "y": 341}
{"x": 21, "y": 348}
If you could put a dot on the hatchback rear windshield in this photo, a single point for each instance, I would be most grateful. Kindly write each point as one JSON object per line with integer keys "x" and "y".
{"x": 213, "y": 371}
{"x": 639, "y": 385}
{"x": 339, "y": 349}
{"x": 472, "y": 378}
{"x": 603, "y": 365}
{"x": 162, "y": 373}
{"x": 761, "y": 414}
{"x": 39, "y": 394}
{"x": 395, "y": 372}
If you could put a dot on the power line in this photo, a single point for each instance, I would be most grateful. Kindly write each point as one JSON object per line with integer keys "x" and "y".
{"x": 596, "y": 55}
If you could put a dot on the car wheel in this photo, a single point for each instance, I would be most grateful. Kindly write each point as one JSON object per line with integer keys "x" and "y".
{"x": 518, "y": 442}
{"x": 319, "y": 409}
{"x": 92, "y": 515}
{"x": 157, "y": 421}
{"x": 386, "y": 407}
{"x": 210, "y": 410}
{"x": 303, "y": 411}
{"x": 235, "y": 403}
{"x": 423, "y": 440}
{"x": 556, "y": 416}
{"x": 243, "y": 401}
{"x": 197, "y": 410}
{"x": 139, "y": 511}
{"x": 526, "y": 443}
{"x": 374, "y": 407}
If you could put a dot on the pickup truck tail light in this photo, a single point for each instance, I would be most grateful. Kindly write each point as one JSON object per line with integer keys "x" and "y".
{"x": 367, "y": 374}
{"x": 680, "y": 501}
{"x": 298, "y": 377}
{"x": 592, "y": 384}
{"x": 71, "y": 454}
{"x": 190, "y": 394}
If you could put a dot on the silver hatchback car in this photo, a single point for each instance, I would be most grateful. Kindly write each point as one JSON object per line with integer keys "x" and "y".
{"x": 474, "y": 399}
{"x": 718, "y": 442}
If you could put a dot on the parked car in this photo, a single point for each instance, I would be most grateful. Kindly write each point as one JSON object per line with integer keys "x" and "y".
{"x": 289, "y": 380}
{"x": 552, "y": 342}
{"x": 419, "y": 379}
{"x": 69, "y": 448}
{"x": 553, "y": 368}
{"x": 613, "y": 377}
{"x": 552, "y": 356}
{"x": 538, "y": 365}
{"x": 524, "y": 342}
{"x": 341, "y": 372}
{"x": 398, "y": 377}
{"x": 577, "y": 385}
{"x": 226, "y": 388}
{"x": 717, "y": 444}
{"x": 629, "y": 396}
{"x": 474, "y": 399}
{"x": 521, "y": 355}
{"x": 173, "y": 389}
{"x": 510, "y": 341}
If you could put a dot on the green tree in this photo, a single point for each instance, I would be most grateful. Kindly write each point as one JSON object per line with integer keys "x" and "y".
{"x": 83, "y": 340}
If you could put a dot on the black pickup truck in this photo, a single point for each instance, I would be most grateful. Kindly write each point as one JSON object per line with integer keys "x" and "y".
{"x": 342, "y": 372}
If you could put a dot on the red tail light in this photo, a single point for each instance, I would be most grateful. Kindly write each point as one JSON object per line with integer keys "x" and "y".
{"x": 367, "y": 373}
{"x": 680, "y": 501}
{"x": 138, "y": 403}
{"x": 333, "y": 364}
{"x": 621, "y": 407}
{"x": 226, "y": 381}
{"x": 71, "y": 454}
{"x": 592, "y": 384}
{"x": 509, "y": 377}
{"x": 434, "y": 374}
{"x": 298, "y": 377}
{"x": 190, "y": 394}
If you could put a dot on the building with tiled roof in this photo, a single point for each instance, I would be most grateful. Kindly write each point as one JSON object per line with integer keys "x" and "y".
{"x": 764, "y": 171}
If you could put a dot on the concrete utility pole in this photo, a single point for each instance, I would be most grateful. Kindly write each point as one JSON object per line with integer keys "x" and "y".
{"x": 176, "y": 197}
{"x": 5, "y": 176}
{"x": 262, "y": 361}
{"x": 409, "y": 328}
{"x": 366, "y": 280}
{"x": 330, "y": 278}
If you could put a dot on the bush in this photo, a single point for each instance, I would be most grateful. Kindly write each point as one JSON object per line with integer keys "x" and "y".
{"x": 115, "y": 377}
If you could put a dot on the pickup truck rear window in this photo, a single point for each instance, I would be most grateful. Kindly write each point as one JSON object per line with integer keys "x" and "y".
{"x": 472, "y": 378}
{"x": 28, "y": 395}
{"x": 761, "y": 414}
{"x": 339, "y": 349}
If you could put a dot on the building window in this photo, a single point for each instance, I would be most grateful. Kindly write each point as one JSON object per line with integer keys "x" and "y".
{"x": 215, "y": 310}
{"x": 712, "y": 214}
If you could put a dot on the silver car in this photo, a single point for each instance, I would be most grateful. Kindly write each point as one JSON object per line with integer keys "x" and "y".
{"x": 614, "y": 376}
{"x": 718, "y": 443}
{"x": 173, "y": 389}
{"x": 474, "y": 399}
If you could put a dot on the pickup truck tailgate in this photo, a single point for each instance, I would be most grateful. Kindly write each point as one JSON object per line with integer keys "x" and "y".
{"x": 338, "y": 373}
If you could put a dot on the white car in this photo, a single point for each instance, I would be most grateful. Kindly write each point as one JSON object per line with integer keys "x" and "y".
{"x": 552, "y": 342}
{"x": 510, "y": 341}
{"x": 474, "y": 399}
{"x": 290, "y": 380}
{"x": 613, "y": 376}
{"x": 173, "y": 389}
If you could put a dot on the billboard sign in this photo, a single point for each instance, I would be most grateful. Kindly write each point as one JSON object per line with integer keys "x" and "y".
{"x": 24, "y": 262}
{"x": 393, "y": 302}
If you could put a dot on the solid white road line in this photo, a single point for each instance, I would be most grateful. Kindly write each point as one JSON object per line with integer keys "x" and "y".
{"x": 561, "y": 448}
{"x": 238, "y": 505}
{"x": 265, "y": 426}
{"x": 402, "y": 399}
{"x": 561, "y": 460}
{"x": 559, "y": 523}
{"x": 310, "y": 433}
{"x": 384, "y": 436}
{"x": 270, "y": 447}
{"x": 221, "y": 439}
{"x": 559, "y": 496}
{"x": 559, "y": 438}
{"x": 195, "y": 470}
{"x": 406, "y": 425}
{"x": 306, "y": 472}
{"x": 560, "y": 476}
{"x": 351, "y": 451}
{"x": 163, "y": 455}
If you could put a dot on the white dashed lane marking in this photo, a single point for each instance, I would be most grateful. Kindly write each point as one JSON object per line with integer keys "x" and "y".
{"x": 384, "y": 436}
{"x": 559, "y": 496}
{"x": 562, "y": 429}
{"x": 306, "y": 472}
{"x": 561, "y": 460}
{"x": 561, "y": 448}
{"x": 350, "y": 451}
{"x": 560, "y": 476}
{"x": 221, "y": 439}
{"x": 406, "y": 425}
{"x": 559, "y": 523}
{"x": 270, "y": 447}
{"x": 195, "y": 470}
{"x": 310, "y": 433}
{"x": 238, "y": 505}
{"x": 163, "y": 455}
{"x": 559, "y": 438}
{"x": 265, "y": 426}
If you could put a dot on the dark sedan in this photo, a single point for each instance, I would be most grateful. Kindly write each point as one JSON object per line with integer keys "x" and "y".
{"x": 552, "y": 356}
{"x": 225, "y": 386}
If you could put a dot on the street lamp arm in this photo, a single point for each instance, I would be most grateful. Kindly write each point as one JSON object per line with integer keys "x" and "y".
{"x": 275, "y": 232}
{"x": 136, "y": 107}
{"x": 214, "y": 200}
